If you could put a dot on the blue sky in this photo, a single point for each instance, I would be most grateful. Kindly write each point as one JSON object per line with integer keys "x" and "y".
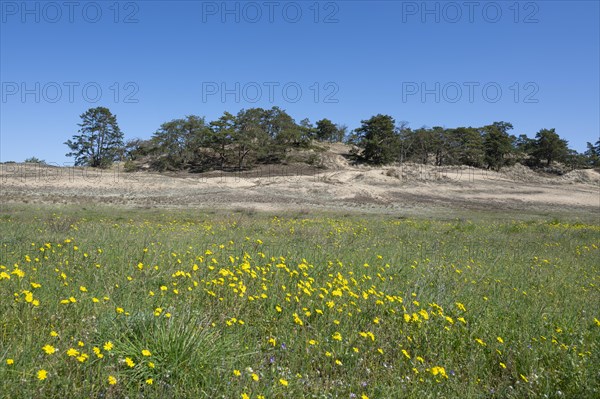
{"x": 534, "y": 64}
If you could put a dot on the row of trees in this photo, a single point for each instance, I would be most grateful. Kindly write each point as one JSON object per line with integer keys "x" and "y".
{"x": 239, "y": 141}
{"x": 232, "y": 141}
{"x": 258, "y": 135}
{"x": 381, "y": 141}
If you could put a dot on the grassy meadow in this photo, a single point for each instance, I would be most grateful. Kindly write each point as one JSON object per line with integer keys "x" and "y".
{"x": 111, "y": 303}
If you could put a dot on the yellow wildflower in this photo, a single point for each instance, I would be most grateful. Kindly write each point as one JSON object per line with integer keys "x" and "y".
{"x": 42, "y": 375}
{"x": 72, "y": 352}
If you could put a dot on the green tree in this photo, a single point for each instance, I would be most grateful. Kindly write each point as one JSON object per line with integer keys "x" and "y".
{"x": 177, "y": 142}
{"x": 443, "y": 145}
{"x": 99, "y": 142}
{"x": 497, "y": 144}
{"x": 423, "y": 145}
{"x": 342, "y": 131}
{"x": 549, "y": 146}
{"x": 592, "y": 154}
{"x": 326, "y": 130}
{"x": 468, "y": 147}
{"x": 282, "y": 133}
{"x": 284, "y": 130}
{"x": 309, "y": 131}
{"x": 252, "y": 140}
{"x": 378, "y": 139}
{"x": 576, "y": 160}
{"x": 223, "y": 136}
{"x": 524, "y": 144}
{"x": 406, "y": 137}
{"x": 137, "y": 148}
{"x": 523, "y": 149}
{"x": 276, "y": 121}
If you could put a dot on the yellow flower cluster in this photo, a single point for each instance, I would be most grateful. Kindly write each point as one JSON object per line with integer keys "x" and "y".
{"x": 300, "y": 316}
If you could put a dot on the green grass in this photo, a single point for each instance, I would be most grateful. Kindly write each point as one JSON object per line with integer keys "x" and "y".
{"x": 294, "y": 306}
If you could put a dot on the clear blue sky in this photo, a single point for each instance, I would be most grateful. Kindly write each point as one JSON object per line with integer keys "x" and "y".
{"x": 393, "y": 57}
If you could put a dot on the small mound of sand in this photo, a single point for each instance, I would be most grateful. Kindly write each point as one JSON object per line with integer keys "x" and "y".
{"x": 333, "y": 161}
{"x": 418, "y": 172}
{"x": 586, "y": 176}
{"x": 523, "y": 173}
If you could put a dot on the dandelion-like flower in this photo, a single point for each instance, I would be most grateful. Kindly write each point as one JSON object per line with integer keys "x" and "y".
{"x": 297, "y": 319}
{"x": 439, "y": 371}
{"x": 72, "y": 352}
{"x": 42, "y": 375}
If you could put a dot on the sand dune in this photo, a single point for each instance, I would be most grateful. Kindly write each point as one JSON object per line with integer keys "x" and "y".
{"x": 336, "y": 185}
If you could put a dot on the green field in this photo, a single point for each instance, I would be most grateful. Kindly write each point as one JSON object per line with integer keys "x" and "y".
{"x": 110, "y": 303}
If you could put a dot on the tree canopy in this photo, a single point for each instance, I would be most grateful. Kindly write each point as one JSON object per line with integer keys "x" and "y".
{"x": 99, "y": 142}
{"x": 549, "y": 146}
{"x": 263, "y": 136}
{"x": 378, "y": 139}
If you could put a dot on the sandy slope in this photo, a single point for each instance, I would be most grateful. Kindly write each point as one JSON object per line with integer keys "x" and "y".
{"x": 406, "y": 189}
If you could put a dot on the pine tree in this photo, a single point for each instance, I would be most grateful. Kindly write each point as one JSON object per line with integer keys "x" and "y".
{"x": 99, "y": 142}
{"x": 378, "y": 139}
{"x": 549, "y": 146}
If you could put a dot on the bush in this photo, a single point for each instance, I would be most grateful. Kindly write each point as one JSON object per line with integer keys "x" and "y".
{"x": 130, "y": 166}
{"x": 35, "y": 160}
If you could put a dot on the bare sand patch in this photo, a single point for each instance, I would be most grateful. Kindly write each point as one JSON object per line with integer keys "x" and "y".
{"x": 407, "y": 188}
